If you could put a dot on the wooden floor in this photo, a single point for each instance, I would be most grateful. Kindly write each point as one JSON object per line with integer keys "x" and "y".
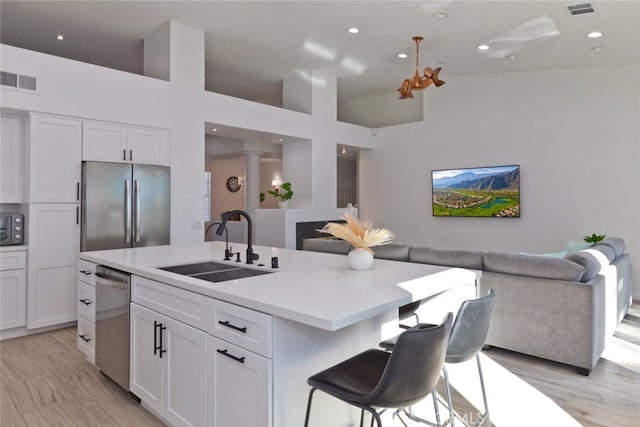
{"x": 46, "y": 381}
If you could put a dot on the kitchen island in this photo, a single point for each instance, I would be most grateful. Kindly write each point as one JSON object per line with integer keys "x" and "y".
{"x": 238, "y": 352}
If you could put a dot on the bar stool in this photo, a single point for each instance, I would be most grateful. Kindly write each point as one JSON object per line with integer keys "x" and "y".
{"x": 468, "y": 336}
{"x": 378, "y": 379}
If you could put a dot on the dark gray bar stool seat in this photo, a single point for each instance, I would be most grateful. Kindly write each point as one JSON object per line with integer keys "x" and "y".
{"x": 379, "y": 379}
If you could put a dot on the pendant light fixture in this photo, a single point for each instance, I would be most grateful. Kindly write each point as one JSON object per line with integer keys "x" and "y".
{"x": 418, "y": 82}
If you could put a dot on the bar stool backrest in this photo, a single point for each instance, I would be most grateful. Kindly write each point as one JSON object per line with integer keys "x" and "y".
{"x": 414, "y": 366}
{"x": 470, "y": 330}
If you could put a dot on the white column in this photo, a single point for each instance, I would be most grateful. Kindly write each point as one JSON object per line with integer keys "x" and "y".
{"x": 252, "y": 182}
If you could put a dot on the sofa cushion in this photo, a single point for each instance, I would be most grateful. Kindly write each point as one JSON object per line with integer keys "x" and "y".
{"x": 615, "y": 243}
{"x": 588, "y": 261}
{"x": 392, "y": 251}
{"x": 533, "y": 266}
{"x": 606, "y": 250}
{"x": 332, "y": 246}
{"x": 449, "y": 258}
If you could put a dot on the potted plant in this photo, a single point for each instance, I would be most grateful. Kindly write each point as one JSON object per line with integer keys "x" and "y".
{"x": 362, "y": 236}
{"x": 284, "y": 193}
{"x": 594, "y": 238}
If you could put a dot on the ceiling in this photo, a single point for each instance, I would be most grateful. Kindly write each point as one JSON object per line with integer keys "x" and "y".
{"x": 252, "y": 45}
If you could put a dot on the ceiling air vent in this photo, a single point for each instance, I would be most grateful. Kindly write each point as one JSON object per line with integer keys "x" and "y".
{"x": 19, "y": 81}
{"x": 582, "y": 9}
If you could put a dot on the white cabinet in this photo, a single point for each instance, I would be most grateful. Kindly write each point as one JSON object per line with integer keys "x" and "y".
{"x": 112, "y": 142}
{"x": 55, "y": 155}
{"x": 149, "y": 146}
{"x": 102, "y": 141}
{"x": 239, "y": 386}
{"x": 168, "y": 366}
{"x": 54, "y": 244}
{"x": 11, "y": 160}
{"x": 12, "y": 289}
{"x": 239, "y": 366}
{"x": 86, "y": 308}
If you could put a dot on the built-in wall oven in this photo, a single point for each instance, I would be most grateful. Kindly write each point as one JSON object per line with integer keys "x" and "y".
{"x": 112, "y": 324}
{"x": 11, "y": 229}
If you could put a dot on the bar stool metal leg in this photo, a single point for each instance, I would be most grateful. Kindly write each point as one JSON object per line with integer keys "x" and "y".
{"x": 447, "y": 388}
{"x": 485, "y": 417}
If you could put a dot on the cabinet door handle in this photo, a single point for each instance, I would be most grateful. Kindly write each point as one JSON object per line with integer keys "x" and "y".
{"x": 155, "y": 336}
{"x": 85, "y": 338}
{"x": 124, "y": 154}
{"x": 225, "y": 352}
{"x": 85, "y": 301}
{"x": 77, "y": 214}
{"x": 157, "y": 342}
{"x": 234, "y": 327}
{"x": 77, "y": 191}
{"x": 130, "y": 155}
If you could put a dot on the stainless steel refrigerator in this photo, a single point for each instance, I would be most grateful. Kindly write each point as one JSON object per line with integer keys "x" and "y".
{"x": 124, "y": 206}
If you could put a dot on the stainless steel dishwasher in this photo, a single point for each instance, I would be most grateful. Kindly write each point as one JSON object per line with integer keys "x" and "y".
{"x": 112, "y": 324}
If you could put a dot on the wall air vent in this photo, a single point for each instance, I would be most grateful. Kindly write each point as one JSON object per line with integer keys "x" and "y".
{"x": 582, "y": 9}
{"x": 19, "y": 82}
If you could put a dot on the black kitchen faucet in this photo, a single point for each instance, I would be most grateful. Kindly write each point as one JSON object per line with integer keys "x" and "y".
{"x": 251, "y": 256}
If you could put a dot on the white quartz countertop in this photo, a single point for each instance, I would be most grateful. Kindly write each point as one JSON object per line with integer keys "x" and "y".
{"x": 312, "y": 288}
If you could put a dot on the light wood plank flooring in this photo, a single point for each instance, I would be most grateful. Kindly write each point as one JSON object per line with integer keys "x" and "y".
{"x": 46, "y": 381}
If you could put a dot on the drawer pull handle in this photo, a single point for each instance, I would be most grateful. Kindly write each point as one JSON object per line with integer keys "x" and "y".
{"x": 85, "y": 338}
{"x": 86, "y": 273}
{"x": 85, "y": 301}
{"x": 234, "y": 327}
{"x": 225, "y": 352}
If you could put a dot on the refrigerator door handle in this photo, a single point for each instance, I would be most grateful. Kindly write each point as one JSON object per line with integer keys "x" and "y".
{"x": 127, "y": 212}
{"x": 136, "y": 196}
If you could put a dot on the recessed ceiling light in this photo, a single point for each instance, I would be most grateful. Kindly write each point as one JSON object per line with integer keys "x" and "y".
{"x": 403, "y": 55}
{"x": 279, "y": 139}
{"x": 60, "y": 37}
{"x": 596, "y": 48}
{"x": 214, "y": 130}
{"x": 483, "y": 47}
{"x": 441, "y": 15}
{"x": 353, "y": 30}
{"x": 595, "y": 35}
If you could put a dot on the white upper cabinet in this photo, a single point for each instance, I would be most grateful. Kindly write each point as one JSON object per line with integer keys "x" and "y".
{"x": 149, "y": 146}
{"x": 11, "y": 160}
{"x": 104, "y": 142}
{"x": 112, "y": 142}
{"x": 55, "y": 156}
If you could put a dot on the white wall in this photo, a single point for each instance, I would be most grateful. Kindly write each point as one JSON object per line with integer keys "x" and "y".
{"x": 576, "y": 138}
{"x": 383, "y": 110}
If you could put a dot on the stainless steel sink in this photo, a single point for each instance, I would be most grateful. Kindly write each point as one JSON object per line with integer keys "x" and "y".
{"x": 214, "y": 271}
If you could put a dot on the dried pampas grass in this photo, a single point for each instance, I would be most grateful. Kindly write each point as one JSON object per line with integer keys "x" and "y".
{"x": 358, "y": 233}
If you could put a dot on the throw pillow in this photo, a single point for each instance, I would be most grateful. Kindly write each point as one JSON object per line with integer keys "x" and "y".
{"x": 549, "y": 255}
{"x": 577, "y": 246}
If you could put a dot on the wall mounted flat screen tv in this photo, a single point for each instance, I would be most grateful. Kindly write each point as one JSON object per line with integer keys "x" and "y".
{"x": 477, "y": 192}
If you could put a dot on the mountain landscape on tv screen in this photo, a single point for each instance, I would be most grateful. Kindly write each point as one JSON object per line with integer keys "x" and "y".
{"x": 491, "y": 191}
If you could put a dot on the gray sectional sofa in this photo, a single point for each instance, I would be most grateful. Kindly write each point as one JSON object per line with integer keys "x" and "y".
{"x": 561, "y": 309}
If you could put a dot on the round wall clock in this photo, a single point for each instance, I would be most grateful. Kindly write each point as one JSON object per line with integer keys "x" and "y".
{"x": 233, "y": 184}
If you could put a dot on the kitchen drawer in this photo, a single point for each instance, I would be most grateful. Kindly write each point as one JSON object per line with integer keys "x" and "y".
{"x": 244, "y": 327}
{"x": 13, "y": 260}
{"x": 87, "y": 301}
{"x": 185, "y": 306}
{"x": 87, "y": 272}
{"x": 86, "y": 339}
